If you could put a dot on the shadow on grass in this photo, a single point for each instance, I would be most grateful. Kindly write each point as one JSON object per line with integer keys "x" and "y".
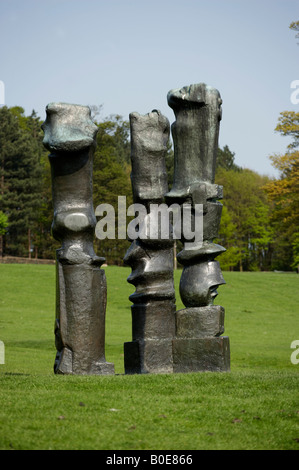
{"x": 34, "y": 344}
{"x": 16, "y": 373}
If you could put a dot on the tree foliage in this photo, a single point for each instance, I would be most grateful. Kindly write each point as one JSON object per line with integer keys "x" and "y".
{"x": 226, "y": 159}
{"x": 3, "y": 223}
{"x": 294, "y": 26}
{"x": 111, "y": 178}
{"x": 284, "y": 191}
{"x": 284, "y": 195}
{"x": 21, "y": 184}
{"x": 259, "y": 218}
{"x": 288, "y": 125}
{"x": 245, "y": 230}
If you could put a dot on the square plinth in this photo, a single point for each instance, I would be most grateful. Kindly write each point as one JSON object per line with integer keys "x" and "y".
{"x": 149, "y": 356}
{"x": 201, "y": 354}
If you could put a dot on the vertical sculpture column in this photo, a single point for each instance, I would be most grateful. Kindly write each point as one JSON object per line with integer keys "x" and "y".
{"x": 198, "y": 345}
{"x": 81, "y": 292}
{"x": 151, "y": 259}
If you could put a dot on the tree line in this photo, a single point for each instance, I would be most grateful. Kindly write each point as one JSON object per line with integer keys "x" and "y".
{"x": 260, "y": 218}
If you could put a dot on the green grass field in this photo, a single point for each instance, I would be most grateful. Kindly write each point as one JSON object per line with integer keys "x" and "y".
{"x": 255, "y": 406}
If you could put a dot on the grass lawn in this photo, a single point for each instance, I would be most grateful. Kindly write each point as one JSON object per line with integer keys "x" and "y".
{"x": 255, "y": 406}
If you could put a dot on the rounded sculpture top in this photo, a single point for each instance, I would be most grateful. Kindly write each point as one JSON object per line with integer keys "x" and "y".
{"x": 151, "y": 130}
{"x": 195, "y": 132}
{"x": 68, "y": 127}
{"x": 197, "y": 95}
{"x": 149, "y": 137}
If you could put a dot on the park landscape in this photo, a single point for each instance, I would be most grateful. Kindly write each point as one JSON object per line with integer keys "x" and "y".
{"x": 253, "y": 406}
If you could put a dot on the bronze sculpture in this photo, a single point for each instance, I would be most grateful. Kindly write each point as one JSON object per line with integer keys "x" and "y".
{"x": 151, "y": 260}
{"x": 163, "y": 340}
{"x": 198, "y": 345}
{"x": 81, "y": 292}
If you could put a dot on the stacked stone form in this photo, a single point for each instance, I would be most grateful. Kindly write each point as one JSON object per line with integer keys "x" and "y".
{"x": 81, "y": 291}
{"x": 151, "y": 259}
{"x": 198, "y": 345}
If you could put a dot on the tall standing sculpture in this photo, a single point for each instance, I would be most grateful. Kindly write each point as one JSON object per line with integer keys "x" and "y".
{"x": 81, "y": 292}
{"x": 151, "y": 258}
{"x": 198, "y": 345}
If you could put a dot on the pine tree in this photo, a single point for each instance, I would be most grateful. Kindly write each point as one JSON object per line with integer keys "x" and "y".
{"x": 21, "y": 184}
{"x": 226, "y": 159}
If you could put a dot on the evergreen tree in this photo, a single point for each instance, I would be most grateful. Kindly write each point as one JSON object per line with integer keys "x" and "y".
{"x": 21, "y": 184}
{"x": 3, "y": 223}
{"x": 226, "y": 159}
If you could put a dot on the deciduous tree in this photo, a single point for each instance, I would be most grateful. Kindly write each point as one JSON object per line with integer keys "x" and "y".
{"x": 245, "y": 230}
{"x": 284, "y": 194}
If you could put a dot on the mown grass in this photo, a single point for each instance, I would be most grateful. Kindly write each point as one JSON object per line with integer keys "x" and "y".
{"x": 255, "y": 406}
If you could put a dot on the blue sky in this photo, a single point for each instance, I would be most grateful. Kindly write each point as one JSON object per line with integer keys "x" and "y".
{"x": 127, "y": 54}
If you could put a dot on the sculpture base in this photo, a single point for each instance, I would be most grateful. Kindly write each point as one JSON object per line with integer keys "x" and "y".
{"x": 80, "y": 319}
{"x": 200, "y": 322}
{"x": 64, "y": 364}
{"x": 198, "y": 346}
{"x": 149, "y": 356}
{"x": 201, "y": 354}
